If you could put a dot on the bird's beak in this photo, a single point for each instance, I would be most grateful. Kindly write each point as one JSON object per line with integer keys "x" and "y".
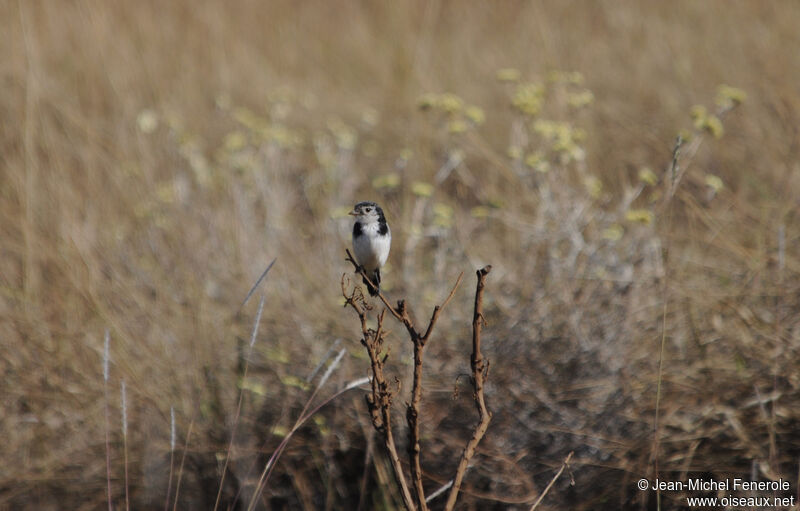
{"x": 352, "y": 213}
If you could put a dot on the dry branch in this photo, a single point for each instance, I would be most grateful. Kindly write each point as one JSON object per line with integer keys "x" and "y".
{"x": 553, "y": 481}
{"x": 379, "y": 401}
{"x": 480, "y": 373}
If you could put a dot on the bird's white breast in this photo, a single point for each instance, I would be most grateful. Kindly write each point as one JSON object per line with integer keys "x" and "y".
{"x": 371, "y": 248}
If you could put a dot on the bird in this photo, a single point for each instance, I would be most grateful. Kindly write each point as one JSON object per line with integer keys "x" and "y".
{"x": 372, "y": 239}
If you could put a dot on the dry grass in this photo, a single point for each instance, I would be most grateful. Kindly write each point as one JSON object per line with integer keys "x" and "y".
{"x": 154, "y": 157}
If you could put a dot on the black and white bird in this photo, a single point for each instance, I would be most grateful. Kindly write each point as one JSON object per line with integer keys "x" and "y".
{"x": 371, "y": 241}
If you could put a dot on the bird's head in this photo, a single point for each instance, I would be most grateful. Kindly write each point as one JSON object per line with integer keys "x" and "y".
{"x": 367, "y": 212}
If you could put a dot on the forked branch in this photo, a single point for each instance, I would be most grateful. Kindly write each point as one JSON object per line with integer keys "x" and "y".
{"x": 379, "y": 401}
{"x": 400, "y": 312}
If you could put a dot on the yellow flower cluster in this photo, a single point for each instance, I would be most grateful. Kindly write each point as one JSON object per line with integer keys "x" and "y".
{"x": 443, "y": 215}
{"x": 276, "y": 133}
{"x": 705, "y": 121}
{"x": 580, "y": 99}
{"x": 642, "y": 216}
{"x": 508, "y": 74}
{"x": 568, "y": 77}
{"x": 593, "y": 185}
{"x": 613, "y": 232}
{"x": 562, "y": 136}
{"x": 475, "y": 114}
{"x": 391, "y": 180}
{"x": 557, "y": 142}
{"x": 647, "y": 176}
{"x": 346, "y": 136}
{"x": 529, "y": 98}
{"x": 537, "y": 161}
{"x": 714, "y": 182}
{"x": 728, "y": 97}
{"x": 422, "y": 189}
{"x": 460, "y": 116}
{"x": 480, "y": 212}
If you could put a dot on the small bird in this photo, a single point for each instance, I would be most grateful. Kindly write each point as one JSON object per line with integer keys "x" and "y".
{"x": 371, "y": 241}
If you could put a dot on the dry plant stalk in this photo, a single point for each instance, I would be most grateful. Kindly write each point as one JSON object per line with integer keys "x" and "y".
{"x": 379, "y": 401}
{"x": 564, "y": 465}
{"x": 480, "y": 373}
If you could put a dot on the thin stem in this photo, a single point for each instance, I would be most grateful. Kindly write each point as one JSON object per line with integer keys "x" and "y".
{"x": 379, "y": 401}
{"x": 480, "y": 373}
{"x": 106, "y": 357}
{"x": 438, "y": 309}
{"x": 125, "y": 441}
{"x": 552, "y": 482}
{"x": 412, "y": 418}
{"x": 171, "y": 454}
{"x": 363, "y": 273}
{"x": 253, "y": 337}
{"x": 108, "y": 446}
{"x": 180, "y": 468}
{"x": 675, "y": 174}
{"x": 304, "y": 416}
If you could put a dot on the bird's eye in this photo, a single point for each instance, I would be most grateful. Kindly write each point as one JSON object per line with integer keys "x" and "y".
{"x": 368, "y": 210}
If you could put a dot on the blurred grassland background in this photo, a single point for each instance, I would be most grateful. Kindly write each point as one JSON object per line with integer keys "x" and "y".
{"x": 155, "y": 156}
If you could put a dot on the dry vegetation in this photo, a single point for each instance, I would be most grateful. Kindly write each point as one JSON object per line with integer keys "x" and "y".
{"x": 156, "y": 156}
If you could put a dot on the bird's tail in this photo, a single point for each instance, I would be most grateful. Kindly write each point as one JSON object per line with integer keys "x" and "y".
{"x": 376, "y": 278}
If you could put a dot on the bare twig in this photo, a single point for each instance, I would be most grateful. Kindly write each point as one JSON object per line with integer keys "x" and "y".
{"x": 676, "y": 174}
{"x": 255, "y": 286}
{"x": 379, "y": 401}
{"x": 253, "y": 336}
{"x": 412, "y": 409}
{"x": 443, "y": 488}
{"x": 171, "y": 454}
{"x": 362, "y": 493}
{"x": 480, "y": 373}
{"x": 412, "y": 418}
{"x": 363, "y": 273}
{"x": 552, "y": 481}
{"x": 438, "y": 309}
{"x": 106, "y": 341}
{"x": 125, "y": 441}
{"x": 180, "y": 468}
